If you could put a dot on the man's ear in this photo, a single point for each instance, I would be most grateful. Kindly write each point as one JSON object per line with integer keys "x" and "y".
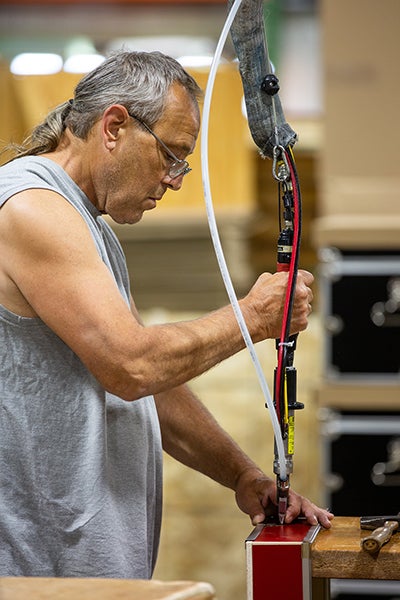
{"x": 114, "y": 123}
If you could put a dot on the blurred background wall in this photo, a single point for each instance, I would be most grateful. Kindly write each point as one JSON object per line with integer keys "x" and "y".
{"x": 337, "y": 65}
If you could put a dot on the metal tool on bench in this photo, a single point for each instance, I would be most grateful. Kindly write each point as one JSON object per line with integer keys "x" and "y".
{"x": 382, "y": 530}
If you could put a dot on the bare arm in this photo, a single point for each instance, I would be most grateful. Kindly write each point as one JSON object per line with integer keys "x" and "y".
{"x": 49, "y": 258}
{"x": 191, "y": 435}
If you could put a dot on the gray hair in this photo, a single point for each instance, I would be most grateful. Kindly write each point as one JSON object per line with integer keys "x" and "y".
{"x": 138, "y": 80}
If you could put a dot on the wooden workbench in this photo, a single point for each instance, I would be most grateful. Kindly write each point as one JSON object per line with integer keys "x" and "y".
{"x": 337, "y": 554}
{"x": 37, "y": 588}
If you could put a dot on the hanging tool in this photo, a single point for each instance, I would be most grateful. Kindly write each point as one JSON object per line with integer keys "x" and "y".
{"x": 216, "y": 238}
{"x": 382, "y": 530}
{"x": 275, "y": 140}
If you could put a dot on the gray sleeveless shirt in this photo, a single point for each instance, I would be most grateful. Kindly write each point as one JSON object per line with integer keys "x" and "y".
{"x": 80, "y": 469}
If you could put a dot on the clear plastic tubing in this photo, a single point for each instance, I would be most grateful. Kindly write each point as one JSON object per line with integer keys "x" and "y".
{"x": 217, "y": 242}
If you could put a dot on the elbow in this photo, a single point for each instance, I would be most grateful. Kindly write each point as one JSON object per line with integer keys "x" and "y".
{"x": 128, "y": 390}
{"x": 125, "y": 385}
{"x": 128, "y": 375}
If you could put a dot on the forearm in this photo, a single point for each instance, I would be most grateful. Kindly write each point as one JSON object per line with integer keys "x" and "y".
{"x": 182, "y": 351}
{"x": 192, "y": 435}
{"x": 159, "y": 357}
{"x": 185, "y": 350}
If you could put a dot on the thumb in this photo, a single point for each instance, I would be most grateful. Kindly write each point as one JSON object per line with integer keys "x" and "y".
{"x": 257, "y": 519}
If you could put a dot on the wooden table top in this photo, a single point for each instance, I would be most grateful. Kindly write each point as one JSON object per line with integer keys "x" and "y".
{"x": 337, "y": 553}
{"x": 38, "y": 588}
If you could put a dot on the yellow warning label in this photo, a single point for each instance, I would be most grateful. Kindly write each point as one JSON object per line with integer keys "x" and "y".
{"x": 291, "y": 435}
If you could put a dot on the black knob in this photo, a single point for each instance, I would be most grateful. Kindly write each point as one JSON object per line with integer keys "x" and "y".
{"x": 270, "y": 84}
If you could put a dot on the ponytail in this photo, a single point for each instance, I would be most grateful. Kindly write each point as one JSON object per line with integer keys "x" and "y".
{"x": 46, "y": 136}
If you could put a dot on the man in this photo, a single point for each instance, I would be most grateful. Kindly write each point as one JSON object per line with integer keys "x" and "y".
{"x": 88, "y": 393}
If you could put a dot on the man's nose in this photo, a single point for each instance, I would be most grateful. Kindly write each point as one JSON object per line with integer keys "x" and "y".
{"x": 173, "y": 183}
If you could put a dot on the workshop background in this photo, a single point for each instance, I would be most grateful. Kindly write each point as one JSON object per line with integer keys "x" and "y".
{"x": 337, "y": 61}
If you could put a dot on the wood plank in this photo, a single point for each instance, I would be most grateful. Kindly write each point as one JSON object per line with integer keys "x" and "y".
{"x": 38, "y": 588}
{"x": 336, "y": 554}
{"x": 358, "y": 232}
{"x": 367, "y": 395}
{"x": 111, "y": 2}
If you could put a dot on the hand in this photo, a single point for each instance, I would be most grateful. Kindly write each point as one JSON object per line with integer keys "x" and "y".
{"x": 256, "y": 495}
{"x": 264, "y": 304}
{"x": 302, "y": 301}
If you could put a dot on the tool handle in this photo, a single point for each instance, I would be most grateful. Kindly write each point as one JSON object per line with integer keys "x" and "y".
{"x": 282, "y": 267}
{"x": 373, "y": 542}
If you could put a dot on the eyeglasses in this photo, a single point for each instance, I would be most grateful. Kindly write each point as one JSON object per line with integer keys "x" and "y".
{"x": 178, "y": 167}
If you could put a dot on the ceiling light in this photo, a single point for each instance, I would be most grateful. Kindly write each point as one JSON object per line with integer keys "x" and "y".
{"x": 81, "y": 56}
{"x": 36, "y": 63}
{"x": 82, "y": 63}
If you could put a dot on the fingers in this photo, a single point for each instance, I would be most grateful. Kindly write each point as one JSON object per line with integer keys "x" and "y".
{"x": 313, "y": 514}
{"x": 325, "y": 519}
{"x": 306, "y": 276}
{"x": 302, "y": 307}
{"x": 317, "y": 516}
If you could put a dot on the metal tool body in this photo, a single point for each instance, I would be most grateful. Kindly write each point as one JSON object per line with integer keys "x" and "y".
{"x": 382, "y": 530}
{"x": 285, "y": 379}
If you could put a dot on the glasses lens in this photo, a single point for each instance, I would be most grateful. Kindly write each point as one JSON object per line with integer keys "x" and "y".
{"x": 179, "y": 168}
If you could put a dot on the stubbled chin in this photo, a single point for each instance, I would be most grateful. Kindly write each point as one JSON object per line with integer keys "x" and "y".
{"x": 129, "y": 218}
{"x": 125, "y": 219}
